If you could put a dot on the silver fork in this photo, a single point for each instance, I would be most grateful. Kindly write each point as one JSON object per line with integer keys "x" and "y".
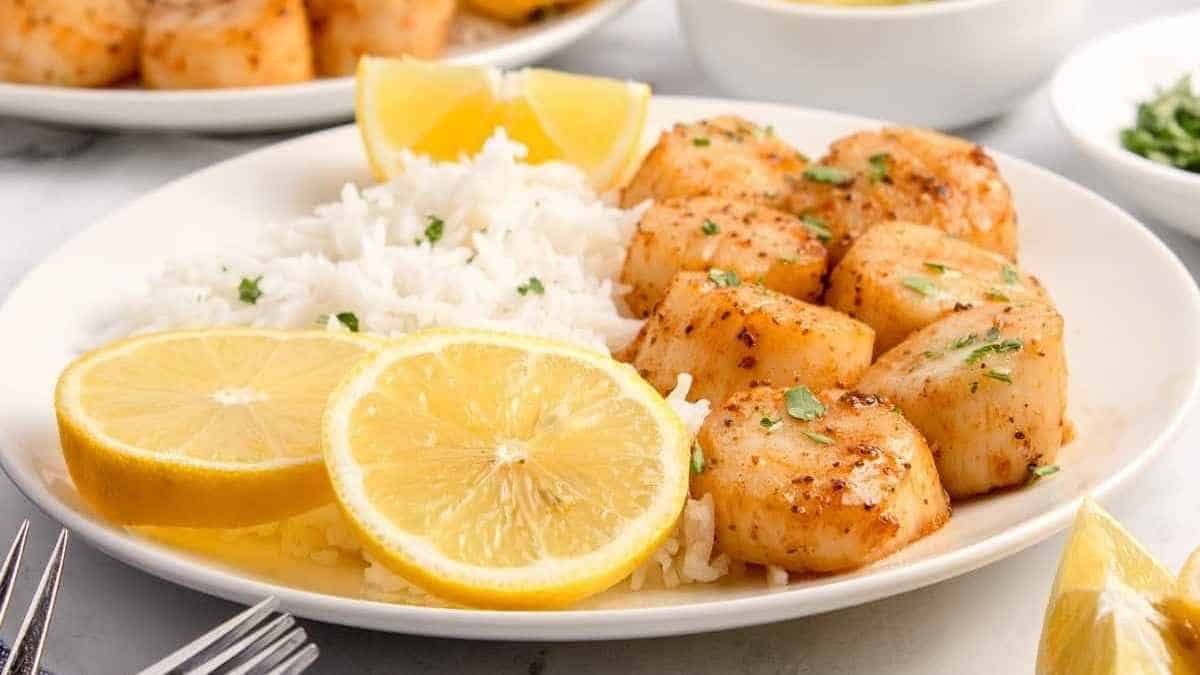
{"x": 240, "y": 646}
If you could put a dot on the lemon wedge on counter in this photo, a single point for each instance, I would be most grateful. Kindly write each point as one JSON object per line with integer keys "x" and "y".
{"x": 209, "y": 428}
{"x": 1183, "y": 603}
{"x": 1105, "y": 613}
{"x": 504, "y": 471}
{"x": 446, "y": 111}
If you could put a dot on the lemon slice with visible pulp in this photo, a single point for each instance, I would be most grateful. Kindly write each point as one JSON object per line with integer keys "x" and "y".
{"x": 1104, "y": 615}
{"x": 505, "y": 471}
{"x": 210, "y": 428}
{"x": 446, "y": 111}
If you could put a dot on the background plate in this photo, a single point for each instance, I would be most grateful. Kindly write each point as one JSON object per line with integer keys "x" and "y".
{"x": 1133, "y": 340}
{"x": 276, "y": 107}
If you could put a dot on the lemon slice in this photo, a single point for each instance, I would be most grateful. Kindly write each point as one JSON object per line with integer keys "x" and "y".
{"x": 505, "y": 471}
{"x": 1104, "y": 612}
{"x": 212, "y": 428}
{"x": 1184, "y": 601}
{"x": 446, "y": 111}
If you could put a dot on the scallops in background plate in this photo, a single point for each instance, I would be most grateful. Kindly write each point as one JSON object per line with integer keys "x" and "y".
{"x": 1096, "y": 94}
{"x": 941, "y": 64}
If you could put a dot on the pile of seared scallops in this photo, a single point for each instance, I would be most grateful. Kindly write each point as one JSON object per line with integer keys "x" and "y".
{"x": 204, "y": 44}
{"x": 860, "y": 325}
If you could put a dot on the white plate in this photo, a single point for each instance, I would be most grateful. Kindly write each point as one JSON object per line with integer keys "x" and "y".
{"x": 1096, "y": 93}
{"x": 1133, "y": 338}
{"x": 276, "y": 107}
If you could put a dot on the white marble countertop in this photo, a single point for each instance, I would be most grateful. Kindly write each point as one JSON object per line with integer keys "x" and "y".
{"x": 114, "y": 619}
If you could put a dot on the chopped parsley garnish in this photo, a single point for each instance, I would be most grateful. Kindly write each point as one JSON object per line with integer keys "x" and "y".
{"x": 964, "y": 341}
{"x": 921, "y": 285}
{"x": 881, "y": 165}
{"x": 697, "y": 458}
{"x": 1010, "y": 275}
{"x": 435, "y": 229}
{"x": 763, "y": 132}
{"x": 248, "y": 291}
{"x": 802, "y": 405}
{"x": 995, "y": 295}
{"x": 1036, "y": 472}
{"x": 938, "y": 267}
{"x": 769, "y": 423}
{"x": 817, "y": 227}
{"x": 816, "y": 437}
{"x": 1002, "y": 374}
{"x": 709, "y": 227}
{"x": 723, "y": 278}
{"x": 1167, "y": 129}
{"x": 349, "y": 320}
{"x": 534, "y": 285}
{"x": 1001, "y": 347}
{"x": 828, "y": 174}
{"x": 701, "y": 142}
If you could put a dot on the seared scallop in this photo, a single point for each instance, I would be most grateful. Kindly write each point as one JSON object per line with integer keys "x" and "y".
{"x": 915, "y": 175}
{"x": 344, "y": 30}
{"x": 202, "y": 44}
{"x": 71, "y": 43}
{"x": 988, "y": 389}
{"x": 726, "y": 156}
{"x": 900, "y": 277}
{"x": 816, "y": 484}
{"x": 756, "y": 242}
{"x": 733, "y": 336}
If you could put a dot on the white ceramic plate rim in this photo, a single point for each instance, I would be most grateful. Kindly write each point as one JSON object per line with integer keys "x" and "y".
{"x": 1112, "y": 151}
{"x": 527, "y": 45}
{"x": 627, "y": 622}
{"x": 869, "y": 11}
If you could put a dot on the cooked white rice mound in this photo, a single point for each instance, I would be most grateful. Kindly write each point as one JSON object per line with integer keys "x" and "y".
{"x": 444, "y": 244}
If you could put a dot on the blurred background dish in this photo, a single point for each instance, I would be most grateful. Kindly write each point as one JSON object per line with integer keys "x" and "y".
{"x": 470, "y": 39}
{"x": 943, "y": 63}
{"x": 1096, "y": 94}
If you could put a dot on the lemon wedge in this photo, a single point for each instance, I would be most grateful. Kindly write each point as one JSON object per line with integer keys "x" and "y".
{"x": 211, "y": 428}
{"x": 1104, "y": 615}
{"x": 446, "y": 111}
{"x": 1184, "y": 601}
{"x": 504, "y": 471}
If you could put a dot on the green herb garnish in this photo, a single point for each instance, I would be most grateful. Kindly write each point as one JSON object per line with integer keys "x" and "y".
{"x": 248, "y": 291}
{"x": 992, "y": 335}
{"x": 1002, "y": 374}
{"x": 819, "y": 438}
{"x": 828, "y": 174}
{"x": 802, "y": 405}
{"x": 697, "y": 458}
{"x": 1168, "y": 128}
{"x": 940, "y": 268}
{"x": 1010, "y": 275}
{"x": 881, "y": 165}
{"x": 534, "y": 285}
{"x": 709, "y": 227}
{"x": 723, "y": 278}
{"x": 1009, "y": 345}
{"x": 995, "y": 295}
{"x": 435, "y": 229}
{"x": 817, "y": 227}
{"x": 701, "y": 142}
{"x": 349, "y": 320}
{"x": 1037, "y": 472}
{"x": 921, "y": 285}
{"x": 769, "y": 423}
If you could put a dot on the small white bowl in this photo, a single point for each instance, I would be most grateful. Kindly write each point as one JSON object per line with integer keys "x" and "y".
{"x": 1096, "y": 93}
{"x": 942, "y": 64}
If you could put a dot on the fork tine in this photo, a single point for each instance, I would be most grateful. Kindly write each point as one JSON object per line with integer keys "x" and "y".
{"x": 248, "y": 645}
{"x": 272, "y": 655}
{"x": 26, "y": 652}
{"x": 8, "y": 573}
{"x": 297, "y": 663}
{"x": 213, "y": 641}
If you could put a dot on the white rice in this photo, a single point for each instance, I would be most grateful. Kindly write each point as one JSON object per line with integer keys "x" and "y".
{"x": 503, "y": 223}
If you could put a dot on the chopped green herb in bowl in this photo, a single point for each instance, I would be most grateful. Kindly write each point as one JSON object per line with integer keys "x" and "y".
{"x": 1167, "y": 130}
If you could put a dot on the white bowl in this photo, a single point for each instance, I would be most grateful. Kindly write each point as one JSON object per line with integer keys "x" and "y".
{"x": 1095, "y": 95}
{"x": 943, "y": 64}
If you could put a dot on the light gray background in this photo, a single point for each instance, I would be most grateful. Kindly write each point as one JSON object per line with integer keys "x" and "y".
{"x": 114, "y": 619}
